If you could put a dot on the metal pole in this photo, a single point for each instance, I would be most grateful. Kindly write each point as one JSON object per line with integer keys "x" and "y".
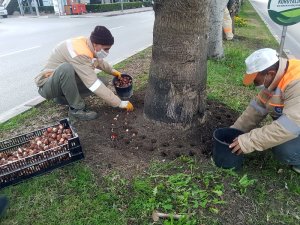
{"x": 121, "y": 5}
{"x": 282, "y": 40}
{"x": 36, "y": 8}
{"x": 21, "y": 8}
{"x": 30, "y": 7}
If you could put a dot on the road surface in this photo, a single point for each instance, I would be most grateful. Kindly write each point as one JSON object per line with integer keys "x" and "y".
{"x": 27, "y": 42}
{"x": 292, "y": 43}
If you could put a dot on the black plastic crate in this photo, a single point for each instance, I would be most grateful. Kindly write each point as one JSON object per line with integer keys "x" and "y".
{"x": 41, "y": 162}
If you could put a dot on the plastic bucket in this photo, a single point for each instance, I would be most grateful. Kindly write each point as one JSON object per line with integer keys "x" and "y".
{"x": 222, "y": 155}
{"x": 123, "y": 92}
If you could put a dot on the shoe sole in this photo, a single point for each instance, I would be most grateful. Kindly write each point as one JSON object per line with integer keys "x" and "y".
{"x": 296, "y": 169}
{"x": 77, "y": 117}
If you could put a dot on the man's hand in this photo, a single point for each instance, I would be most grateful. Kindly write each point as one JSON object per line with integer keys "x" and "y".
{"x": 126, "y": 105}
{"x": 116, "y": 74}
{"x": 235, "y": 146}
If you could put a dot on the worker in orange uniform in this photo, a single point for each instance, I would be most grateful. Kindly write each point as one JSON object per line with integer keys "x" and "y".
{"x": 69, "y": 74}
{"x": 227, "y": 25}
{"x": 279, "y": 82}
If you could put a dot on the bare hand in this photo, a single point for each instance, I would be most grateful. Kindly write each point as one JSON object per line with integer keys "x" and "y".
{"x": 235, "y": 146}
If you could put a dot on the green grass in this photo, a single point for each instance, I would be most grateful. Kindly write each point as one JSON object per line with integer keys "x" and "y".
{"x": 265, "y": 192}
{"x": 18, "y": 120}
{"x": 73, "y": 196}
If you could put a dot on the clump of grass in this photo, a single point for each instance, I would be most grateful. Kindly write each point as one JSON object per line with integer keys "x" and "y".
{"x": 239, "y": 22}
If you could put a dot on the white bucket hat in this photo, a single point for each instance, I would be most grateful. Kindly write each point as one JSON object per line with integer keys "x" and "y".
{"x": 259, "y": 61}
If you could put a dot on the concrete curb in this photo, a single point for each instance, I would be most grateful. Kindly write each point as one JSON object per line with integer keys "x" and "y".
{"x": 20, "y": 109}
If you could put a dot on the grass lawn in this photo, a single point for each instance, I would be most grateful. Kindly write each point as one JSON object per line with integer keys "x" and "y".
{"x": 265, "y": 192}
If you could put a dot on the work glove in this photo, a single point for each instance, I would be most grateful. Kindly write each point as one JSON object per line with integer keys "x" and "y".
{"x": 126, "y": 105}
{"x": 116, "y": 74}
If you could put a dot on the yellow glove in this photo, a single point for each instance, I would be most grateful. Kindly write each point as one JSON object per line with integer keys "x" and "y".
{"x": 126, "y": 105}
{"x": 116, "y": 74}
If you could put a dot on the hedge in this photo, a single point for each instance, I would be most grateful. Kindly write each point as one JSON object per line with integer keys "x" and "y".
{"x": 93, "y": 8}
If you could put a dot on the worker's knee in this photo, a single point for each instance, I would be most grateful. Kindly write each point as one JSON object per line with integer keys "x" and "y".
{"x": 66, "y": 71}
{"x": 288, "y": 152}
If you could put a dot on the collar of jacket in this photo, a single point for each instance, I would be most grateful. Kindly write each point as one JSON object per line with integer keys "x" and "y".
{"x": 90, "y": 44}
{"x": 283, "y": 64}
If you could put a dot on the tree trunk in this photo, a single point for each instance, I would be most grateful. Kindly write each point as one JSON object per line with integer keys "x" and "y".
{"x": 177, "y": 78}
{"x": 215, "y": 40}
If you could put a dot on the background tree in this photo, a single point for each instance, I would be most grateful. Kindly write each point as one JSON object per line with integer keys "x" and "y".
{"x": 176, "y": 92}
{"x": 215, "y": 40}
{"x": 234, "y": 7}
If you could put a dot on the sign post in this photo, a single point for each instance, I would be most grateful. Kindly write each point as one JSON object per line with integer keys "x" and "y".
{"x": 284, "y": 13}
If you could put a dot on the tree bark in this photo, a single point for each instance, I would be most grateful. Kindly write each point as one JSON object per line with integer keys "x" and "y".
{"x": 215, "y": 40}
{"x": 176, "y": 92}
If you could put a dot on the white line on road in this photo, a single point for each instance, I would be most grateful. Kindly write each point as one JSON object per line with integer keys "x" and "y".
{"x": 116, "y": 28}
{"x": 23, "y": 50}
{"x": 146, "y": 21}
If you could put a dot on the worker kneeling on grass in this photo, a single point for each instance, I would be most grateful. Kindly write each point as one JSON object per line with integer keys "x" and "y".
{"x": 69, "y": 73}
{"x": 279, "y": 82}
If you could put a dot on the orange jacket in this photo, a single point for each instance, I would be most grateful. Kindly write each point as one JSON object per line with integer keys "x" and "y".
{"x": 283, "y": 104}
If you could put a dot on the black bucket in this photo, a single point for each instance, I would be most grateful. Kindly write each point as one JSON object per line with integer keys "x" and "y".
{"x": 222, "y": 155}
{"x": 123, "y": 92}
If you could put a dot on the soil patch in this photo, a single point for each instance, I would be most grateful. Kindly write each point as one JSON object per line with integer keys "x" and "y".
{"x": 128, "y": 142}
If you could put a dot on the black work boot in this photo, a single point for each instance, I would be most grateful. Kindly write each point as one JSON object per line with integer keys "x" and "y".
{"x": 3, "y": 204}
{"x": 82, "y": 114}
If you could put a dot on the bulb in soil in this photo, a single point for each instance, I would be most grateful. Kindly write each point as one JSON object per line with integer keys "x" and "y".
{"x": 58, "y": 137}
{"x": 113, "y": 136}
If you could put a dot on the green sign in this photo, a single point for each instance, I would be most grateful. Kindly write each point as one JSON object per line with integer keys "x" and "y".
{"x": 284, "y": 12}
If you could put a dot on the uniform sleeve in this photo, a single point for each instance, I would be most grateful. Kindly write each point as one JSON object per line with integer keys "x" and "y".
{"x": 103, "y": 65}
{"x": 251, "y": 117}
{"x": 285, "y": 128}
{"x": 85, "y": 70}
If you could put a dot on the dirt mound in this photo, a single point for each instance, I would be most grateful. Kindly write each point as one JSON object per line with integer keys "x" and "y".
{"x": 127, "y": 142}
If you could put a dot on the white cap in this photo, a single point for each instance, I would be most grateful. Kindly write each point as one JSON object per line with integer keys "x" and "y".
{"x": 259, "y": 61}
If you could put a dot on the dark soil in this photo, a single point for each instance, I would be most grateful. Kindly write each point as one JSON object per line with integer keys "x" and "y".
{"x": 127, "y": 142}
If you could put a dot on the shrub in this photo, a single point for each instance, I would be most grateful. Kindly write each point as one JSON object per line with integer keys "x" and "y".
{"x": 239, "y": 22}
{"x": 112, "y": 7}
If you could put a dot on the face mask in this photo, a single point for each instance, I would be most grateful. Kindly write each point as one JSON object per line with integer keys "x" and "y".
{"x": 102, "y": 54}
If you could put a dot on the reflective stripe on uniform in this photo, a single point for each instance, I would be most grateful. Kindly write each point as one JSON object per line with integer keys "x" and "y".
{"x": 289, "y": 124}
{"x": 95, "y": 85}
{"x": 258, "y": 108}
{"x": 71, "y": 49}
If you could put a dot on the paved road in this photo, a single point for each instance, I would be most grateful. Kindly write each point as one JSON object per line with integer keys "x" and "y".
{"x": 292, "y": 43}
{"x": 25, "y": 44}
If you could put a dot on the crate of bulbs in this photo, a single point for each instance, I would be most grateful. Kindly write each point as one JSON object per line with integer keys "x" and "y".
{"x": 37, "y": 152}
